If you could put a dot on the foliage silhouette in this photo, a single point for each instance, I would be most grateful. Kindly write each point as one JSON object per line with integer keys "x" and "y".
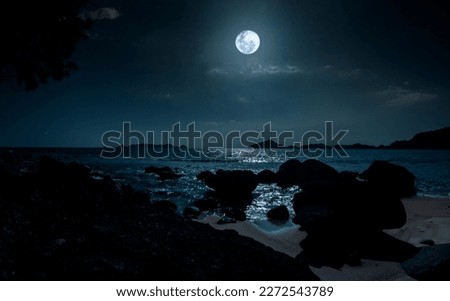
{"x": 38, "y": 39}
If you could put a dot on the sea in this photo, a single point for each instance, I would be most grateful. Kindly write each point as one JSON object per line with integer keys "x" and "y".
{"x": 430, "y": 167}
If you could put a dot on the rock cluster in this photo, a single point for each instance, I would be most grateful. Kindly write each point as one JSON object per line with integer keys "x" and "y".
{"x": 58, "y": 222}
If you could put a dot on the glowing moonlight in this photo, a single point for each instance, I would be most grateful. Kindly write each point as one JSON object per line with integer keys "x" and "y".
{"x": 247, "y": 42}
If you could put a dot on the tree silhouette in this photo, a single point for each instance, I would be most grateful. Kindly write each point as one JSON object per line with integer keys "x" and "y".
{"x": 38, "y": 38}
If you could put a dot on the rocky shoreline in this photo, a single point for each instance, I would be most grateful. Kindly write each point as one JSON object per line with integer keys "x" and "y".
{"x": 66, "y": 222}
{"x": 61, "y": 222}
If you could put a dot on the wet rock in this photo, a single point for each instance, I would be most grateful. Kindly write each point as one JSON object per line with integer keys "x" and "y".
{"x": 232, "y": 187}
{"x": 279, "y": 213}
{"x": 164, "y": 173}
{"x": 431, "y": 263}
{"x": 266, "y": 177}
{"x": 191, "y": 212}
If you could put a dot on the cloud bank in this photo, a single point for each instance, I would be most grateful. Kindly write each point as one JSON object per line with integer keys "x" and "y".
{"x": 402, "y": 97}
{"x": 258, "y": 70}
{"x": 104, "y": 13}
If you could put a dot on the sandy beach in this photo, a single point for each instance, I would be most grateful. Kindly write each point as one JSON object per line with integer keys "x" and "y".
{"x": 428, "y": 219}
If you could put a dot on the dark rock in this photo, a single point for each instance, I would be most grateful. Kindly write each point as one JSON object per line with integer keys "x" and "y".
{"x": 50, "y": 168}
{"x": 266, "y": 177}
{"x": 288, "y": 173}
{"x": 348, "y": 175}
{"x": 348, "y": 217}
{"x": 205, "y": 175}
{"x": 352, "y": 203}
{"x": 164, "y": 173}
{"x": 427, "y": 242}
{"x": 328, "y": 250}
{"x": 234, "y": 213}
{"x": 127, "y": 190}
{"x": 207, "y": 203}
{"x": 391, "y": 178}
{"x": 278, "y": 213}
{"x": 7, "y": 157}
{"x": 315, "y": 218}
{"x": 164, "y": 205}
{"x": 191, "y": 212}
{"x": 138, "y": 197}
{"x": 431, "y": 263}
{"x": 78, "y": 170}
{"x": 381, "y": 246}
{"x": 313, "y": 171}
{"x": 232, "y": 187}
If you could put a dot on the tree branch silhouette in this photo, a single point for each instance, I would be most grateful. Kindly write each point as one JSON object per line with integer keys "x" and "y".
{"x": 38, "y": 39}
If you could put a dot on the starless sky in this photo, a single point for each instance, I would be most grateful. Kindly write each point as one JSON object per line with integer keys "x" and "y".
{"x": 373, "y": 67}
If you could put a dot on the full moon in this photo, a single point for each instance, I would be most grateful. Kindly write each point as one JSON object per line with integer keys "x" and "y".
{"x": 247, "y": 42}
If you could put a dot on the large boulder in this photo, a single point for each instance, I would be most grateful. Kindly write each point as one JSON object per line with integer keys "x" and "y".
{"x": 266, "y": 177}
{"x": 431, "y": 263}
{"x": 294, "y": 172}
{"x": 191, "y": 212}
{"x": 352, "y": 203}
{"x": 232, "y": 187}
{"x": 288, "y": 173}
{"x": 391, "y": 178}
{"x": 313, "y": 171}
{"x": 348, "y": 217}
{"x": 279, "y": 213}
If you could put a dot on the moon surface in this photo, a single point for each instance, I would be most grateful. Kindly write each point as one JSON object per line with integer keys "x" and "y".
{"x": 247, "y": 42}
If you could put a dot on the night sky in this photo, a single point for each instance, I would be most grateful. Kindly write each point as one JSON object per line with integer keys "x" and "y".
{"x": 376, "y": 68}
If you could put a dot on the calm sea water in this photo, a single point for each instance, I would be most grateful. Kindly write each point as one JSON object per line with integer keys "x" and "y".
{"x": 431, "y": 168}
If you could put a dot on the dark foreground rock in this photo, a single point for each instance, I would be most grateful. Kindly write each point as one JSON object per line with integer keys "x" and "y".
{"x": 191, "y": 212}
{"x": 58, "y": 223}
{"x": 288, "y": 173}
{"x": 348, "y": 216}
{"x": 279, "y": 213}
{"x": 431, "y": 263}
{"x": 391, "y": 178}
{"x": 231, "y": 187}
{"x": 266, "y": 177}
{"x": 293, "y": 172}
